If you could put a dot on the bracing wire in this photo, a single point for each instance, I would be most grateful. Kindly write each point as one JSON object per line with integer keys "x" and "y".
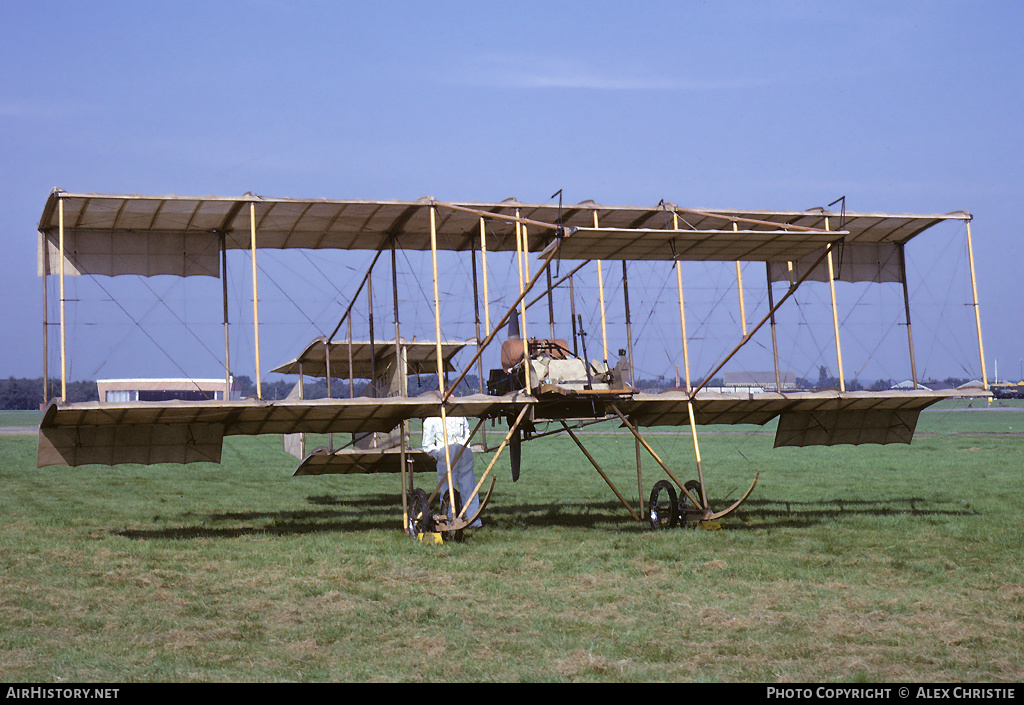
{"x": 123, "y": 338}
{"x": 179, "y": 319}
{"x": 290, "y": 299}
{"x": 145, "y": 332}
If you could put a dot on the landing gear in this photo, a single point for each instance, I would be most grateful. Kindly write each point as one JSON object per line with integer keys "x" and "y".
{"x": 421, "y": 521}
{"x": 690, "y": 514}
{"x": 667, "y": 509}
{"x": 448, "y": 516}
{"x": 663, "y": 509}
{"x": 424, "y": 520}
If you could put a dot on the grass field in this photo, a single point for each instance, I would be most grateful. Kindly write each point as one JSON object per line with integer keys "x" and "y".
{"x": 896, "y": 563}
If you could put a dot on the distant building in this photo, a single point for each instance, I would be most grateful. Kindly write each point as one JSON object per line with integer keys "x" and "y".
{"x": 1007, "y": 390}
{"x": 908, "y": 384}
{"x": 122, "y": 390}
{"x": 753, "y": 382}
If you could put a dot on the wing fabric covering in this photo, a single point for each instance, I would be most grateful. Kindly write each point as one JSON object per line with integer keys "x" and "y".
{"x": 186, "y": 432}
{"x": 144, "y": 444}
{"x": 830, "y": 428}
{"x": 350, "y": 461}
{"x": 110, "y": 234}
{"x": 823, "y": 418}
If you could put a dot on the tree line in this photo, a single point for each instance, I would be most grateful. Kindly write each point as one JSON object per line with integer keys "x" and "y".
{"x": 824, "y": 381}
{"x": 24, "y": 394}
{"x": 342, "y": 389}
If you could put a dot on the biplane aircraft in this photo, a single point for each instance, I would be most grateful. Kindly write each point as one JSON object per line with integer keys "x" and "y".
{"x": 539, "y": 379}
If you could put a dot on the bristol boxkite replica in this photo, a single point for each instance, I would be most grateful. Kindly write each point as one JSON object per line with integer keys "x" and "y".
{"x": 541, "y": 379}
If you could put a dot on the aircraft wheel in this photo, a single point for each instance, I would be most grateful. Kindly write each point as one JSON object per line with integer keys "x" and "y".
{"x": 456, "y": 535}
{"x": 420, "y": 520}
{"x": 688, "y": 507}
{"x": 663, "y": 509}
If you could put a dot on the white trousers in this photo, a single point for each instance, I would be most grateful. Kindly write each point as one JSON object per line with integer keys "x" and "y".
{"x": 462, "y": 475}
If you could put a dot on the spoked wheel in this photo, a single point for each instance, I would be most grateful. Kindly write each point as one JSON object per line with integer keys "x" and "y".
{"x": 690, "y": 513}
{"x": 420, "y": 519}
{"x": 663, "y": 509}
{"x": 446, "y": 511}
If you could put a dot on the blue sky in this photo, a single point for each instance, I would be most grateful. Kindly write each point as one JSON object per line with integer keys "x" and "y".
{"x": 905, "y": 107}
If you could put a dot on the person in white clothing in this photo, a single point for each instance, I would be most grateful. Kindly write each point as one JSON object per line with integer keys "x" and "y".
{"x": 434, "y": 443}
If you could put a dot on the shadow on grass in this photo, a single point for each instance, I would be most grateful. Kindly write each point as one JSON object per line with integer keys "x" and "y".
{"x": 362, "y": 514}
{"x": 774, "y": 514}
{"x": 368, "y": 513}
{"x": 382, "y": 512}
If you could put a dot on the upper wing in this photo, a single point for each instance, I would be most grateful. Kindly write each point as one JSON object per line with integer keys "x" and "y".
{"x": 111, "y": 234}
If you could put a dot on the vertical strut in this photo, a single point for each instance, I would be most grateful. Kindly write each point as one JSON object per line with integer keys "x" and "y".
{"x": 483, "y": 266}
{"x": 632, "y": 378}
{"x": 977, "y": 311}
{"x": 835, "y": 316}
{"x": 402, "y": 372}
{"x": 224, "y": 296}
{"x": 521, "y": 249}
{"x": 572, "y": 315}
{"x": 551, "y": 306}
{"x": 629, "y": 325}
{"x": 476, "y": 319}
{"x": 476, "y": 322}
{"x": 63, "y": 344}
{"x": 906, "y": 307}
{"x": 351, "y": 364}
{"x": 682, "y": 309}
{"x": 440, "y": 363}
{"x": 373, "y": 350}
{"x": 739, "y": 287}
{"x": 686, "y": 364}
{"x": 600, "y": 296}
{"x": 46, "y": 324}
{"x": 255, "y": 297}
{"x": 403, "y": 384}
{"x": 775, "y": 343}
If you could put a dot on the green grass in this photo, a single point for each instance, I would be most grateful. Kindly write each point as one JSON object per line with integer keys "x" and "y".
{"x": 895, "y": 563}
{"x": 20, "y": 418}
